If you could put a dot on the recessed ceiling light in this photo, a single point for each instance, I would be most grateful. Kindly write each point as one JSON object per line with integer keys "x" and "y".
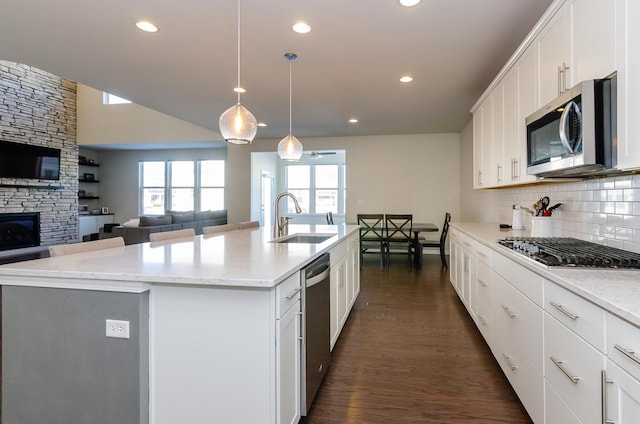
{"x": 409, "y": 3}
{"x": 353, "y": 121}
{"x": 301, "y": 27}
{"x": 146, "y": 26}
{"x": 239, "y": 90}
{"x": 406, "y": 79}
{"x": 262, "y": 124}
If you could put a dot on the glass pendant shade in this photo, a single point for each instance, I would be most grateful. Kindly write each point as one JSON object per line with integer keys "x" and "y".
{"x": 238, "y": 125}
{"x": 290, "y": 148}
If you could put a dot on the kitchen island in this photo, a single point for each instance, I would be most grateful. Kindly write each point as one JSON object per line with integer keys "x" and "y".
{"x": 212, "y": 329}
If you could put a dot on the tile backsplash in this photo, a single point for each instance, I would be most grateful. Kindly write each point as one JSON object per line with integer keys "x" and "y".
{"x": 604, "y": 210}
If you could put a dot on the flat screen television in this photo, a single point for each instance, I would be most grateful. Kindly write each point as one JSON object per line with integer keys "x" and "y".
{"x": 19, "y": 160}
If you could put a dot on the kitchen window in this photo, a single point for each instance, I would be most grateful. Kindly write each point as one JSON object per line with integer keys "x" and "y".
{"x": 193, "y": 185}
{"x": 318, "y": 188}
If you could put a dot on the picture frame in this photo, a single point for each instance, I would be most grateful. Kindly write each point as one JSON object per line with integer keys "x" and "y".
{"x": 89, "y": 177}
{"x": 83, "y": 209}
{"x": 105, "y": 210}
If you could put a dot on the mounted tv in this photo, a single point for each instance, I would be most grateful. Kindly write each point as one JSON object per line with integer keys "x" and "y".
{"x": 19, "y": 160}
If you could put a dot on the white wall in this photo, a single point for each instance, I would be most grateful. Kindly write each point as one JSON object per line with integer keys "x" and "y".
{"x": 418, "y": 174}
{"x": 130, "y": 123}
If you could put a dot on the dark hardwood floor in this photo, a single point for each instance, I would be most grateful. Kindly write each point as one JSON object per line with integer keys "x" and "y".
{"x": 410, "y": 353}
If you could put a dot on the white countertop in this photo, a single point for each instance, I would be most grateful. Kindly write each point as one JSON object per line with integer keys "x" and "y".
{"x": 243, "y": 258}
{"x": 616, "y": 290}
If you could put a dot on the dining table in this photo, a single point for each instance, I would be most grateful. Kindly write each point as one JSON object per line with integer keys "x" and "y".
{"x": 417, "y": 228}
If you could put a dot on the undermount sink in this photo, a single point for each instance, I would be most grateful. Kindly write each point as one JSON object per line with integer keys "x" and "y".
{"x": 312, "y": 238}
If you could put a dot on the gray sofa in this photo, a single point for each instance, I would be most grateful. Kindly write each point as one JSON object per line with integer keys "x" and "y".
{"x": 169, "y": 222}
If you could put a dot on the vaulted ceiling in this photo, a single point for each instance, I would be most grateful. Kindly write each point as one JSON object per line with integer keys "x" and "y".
{"x": 349, "y": 65}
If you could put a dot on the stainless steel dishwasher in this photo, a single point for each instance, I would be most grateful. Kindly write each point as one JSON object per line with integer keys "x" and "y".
{"x": 316, "y": 327}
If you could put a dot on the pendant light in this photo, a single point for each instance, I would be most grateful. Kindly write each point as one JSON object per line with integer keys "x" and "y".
{"x": 237, "y": 124}
{"x": 290, "y": 148}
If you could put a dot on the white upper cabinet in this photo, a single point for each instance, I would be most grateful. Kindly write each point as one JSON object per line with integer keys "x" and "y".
{"x": 495, "y": 165}
{"x": 554, "y": 52}
{"x": 593, "y": 39}
{"x": 628, "y": 57}
{"x": 527, "y": 104}
{"x": 576, "y": 40}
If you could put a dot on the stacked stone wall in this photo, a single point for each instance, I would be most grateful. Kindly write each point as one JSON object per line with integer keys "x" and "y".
{"x": 39, "y": 108}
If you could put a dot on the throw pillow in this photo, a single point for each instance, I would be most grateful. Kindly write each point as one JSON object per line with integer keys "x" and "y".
{"x": 181, "y": 218}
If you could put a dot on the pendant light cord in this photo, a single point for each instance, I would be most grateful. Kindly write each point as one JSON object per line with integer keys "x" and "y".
{"x": 290, "y": 96}
{"x": 238, "y": 86}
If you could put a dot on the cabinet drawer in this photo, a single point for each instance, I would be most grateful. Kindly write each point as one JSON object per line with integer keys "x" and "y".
{"x": 287, "y": 294}
{"x": 623, "y": 338}
{"x": 519, "y": 316}
{"x": 481, "y": 252}
{"x": 528, "y": 282}
{"x": 483, "y": 278}
{"x": 573, "y": 367}
{"x": 578, "y": 314}
{"x": 526, "y": 380}
{"x": 556, "y": 411}
{"x": 484, "y": 321}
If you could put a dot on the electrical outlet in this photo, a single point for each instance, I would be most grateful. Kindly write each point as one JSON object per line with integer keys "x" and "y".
{"x": 118, "y": 329}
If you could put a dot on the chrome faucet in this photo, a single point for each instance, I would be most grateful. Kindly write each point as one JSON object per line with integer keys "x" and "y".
{"x": 281, "y": 223}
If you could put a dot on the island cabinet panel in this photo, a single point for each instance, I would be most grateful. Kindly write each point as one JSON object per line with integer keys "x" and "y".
{"x": 58, "y": 366}
{"x": 213, "y": 355}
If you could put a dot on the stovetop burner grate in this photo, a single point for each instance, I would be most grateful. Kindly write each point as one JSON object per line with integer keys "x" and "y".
{"x": 567, "y": 251}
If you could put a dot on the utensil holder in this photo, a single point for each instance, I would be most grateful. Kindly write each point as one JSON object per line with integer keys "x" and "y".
{"x": 541, "y": 226}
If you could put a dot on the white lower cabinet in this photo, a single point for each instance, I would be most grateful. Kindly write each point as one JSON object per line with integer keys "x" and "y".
{"x": 288, "y": 366}
{"x": 623, "y": 372}
{"x": 569, "y": 360}
{"x": 345, "y": 283}
{"x": 573, "y": 368}
{"x": 622, "y": 396}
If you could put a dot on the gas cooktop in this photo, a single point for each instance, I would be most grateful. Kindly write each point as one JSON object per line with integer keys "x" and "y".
{"x": 571, "y": 252}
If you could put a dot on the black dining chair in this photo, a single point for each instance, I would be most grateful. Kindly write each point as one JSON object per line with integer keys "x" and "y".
{"x": 372, "y": 236}
{"x": 443, "y": 238}
{"x": 398, "y": 236}
{"x": 330, "y": 218}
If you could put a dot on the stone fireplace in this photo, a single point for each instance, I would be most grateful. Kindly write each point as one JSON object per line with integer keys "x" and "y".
{"x": 39, "y": 108}
{"x": 19, "y": 230}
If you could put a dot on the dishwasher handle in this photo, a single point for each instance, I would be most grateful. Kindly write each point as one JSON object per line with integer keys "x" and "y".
{"x": 309, "y": 282}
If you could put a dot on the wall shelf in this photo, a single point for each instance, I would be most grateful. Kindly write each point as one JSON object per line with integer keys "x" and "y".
{"x": 35, "y": 187}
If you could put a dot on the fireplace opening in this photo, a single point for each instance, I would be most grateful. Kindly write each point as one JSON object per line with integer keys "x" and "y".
{"x": 18, "y": 230}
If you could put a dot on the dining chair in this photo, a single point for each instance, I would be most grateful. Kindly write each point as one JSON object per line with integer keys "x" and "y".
{"x": 372, "y": 236}
{"x": 399, "y": 236}
{"x": 248, "y": 224}
{"x": 219, "y": 228}
{"x": 170, "y": 235}
{"x": 330, "y": 218}
{"x": 87, "y": 246}
{"x": 443, "y": 238}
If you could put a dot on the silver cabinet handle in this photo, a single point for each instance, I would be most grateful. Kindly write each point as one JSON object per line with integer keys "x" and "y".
{"x": 483, "y": 283}
{"x": 481, "y": 254}
{"x": 509, "y": 311}
{"x": 603, "y": 388}
{"x": 499, "y": 169}
{"x": 563, "y": 310}
{"x": 559, "y": 363}
{"x": 516, "y": 170}
{"x": 559, "y": 80}
{"x": 507, "y": 359}
{"x": 628, "y": 353}
{"x": 294, "y": 293}
{"x": 483, "y": 320}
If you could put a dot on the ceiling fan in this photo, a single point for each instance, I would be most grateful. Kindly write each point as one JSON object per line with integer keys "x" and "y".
{"x": 317, "y": 155}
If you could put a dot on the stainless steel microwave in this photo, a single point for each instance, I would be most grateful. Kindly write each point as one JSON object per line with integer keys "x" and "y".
{"x": 574, "y": 135}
